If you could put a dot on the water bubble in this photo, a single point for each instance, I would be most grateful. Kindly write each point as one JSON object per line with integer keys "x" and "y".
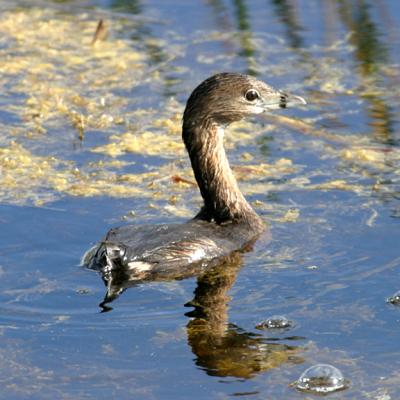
{"x": 321, "y": 379}
{"x": 275, "y": 322}
{"x": 395, "y": 299}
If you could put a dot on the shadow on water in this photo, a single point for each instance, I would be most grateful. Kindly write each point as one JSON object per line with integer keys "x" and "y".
{"x": 220, "y": 13}
{"x": 244, "y": 28}
{"x": 242, "y": 21}
{"x": 221, "y": 348}
{"x": 371, "y": 53}
{"x": 127, "y": 6}
{"x": 287, "y": 14}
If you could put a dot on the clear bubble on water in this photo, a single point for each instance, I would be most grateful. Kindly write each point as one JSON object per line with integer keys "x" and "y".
{"x": 321, "y": 379}
{"x": 275, "y": 322}
{"x": 395, "y": 299}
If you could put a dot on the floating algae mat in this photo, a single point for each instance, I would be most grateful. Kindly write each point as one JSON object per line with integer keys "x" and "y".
{"x": 66, "y": 91}
{"x": 61, "y": 87}
{"x": 72, "y": 124}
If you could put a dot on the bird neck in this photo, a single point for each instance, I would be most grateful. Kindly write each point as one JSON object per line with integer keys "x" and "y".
{"x": 223, "y": 200}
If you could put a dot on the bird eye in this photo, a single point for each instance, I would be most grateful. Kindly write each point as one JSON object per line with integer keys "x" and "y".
{"x": 251, "y": 95}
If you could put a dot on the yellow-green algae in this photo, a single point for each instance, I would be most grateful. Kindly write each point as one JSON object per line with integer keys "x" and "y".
{"x": 68, "y": 88}
{"x": 66, "y": 82}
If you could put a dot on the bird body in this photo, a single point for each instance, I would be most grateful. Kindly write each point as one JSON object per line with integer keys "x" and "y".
{"x": 226, "y": 222}
{"x": 153, "y": 252}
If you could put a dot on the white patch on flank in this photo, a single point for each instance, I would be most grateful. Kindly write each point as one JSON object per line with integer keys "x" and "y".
{"x": 198, "y": 254}
{"x": 139, "y": 266}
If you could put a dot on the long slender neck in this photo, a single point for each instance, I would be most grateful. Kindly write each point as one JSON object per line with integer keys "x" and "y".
{"x": 223, "y": 201}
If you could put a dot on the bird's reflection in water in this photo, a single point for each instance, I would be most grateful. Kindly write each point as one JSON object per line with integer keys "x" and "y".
{"x": 224, "y": 349}
{"x": 221, "y": 348}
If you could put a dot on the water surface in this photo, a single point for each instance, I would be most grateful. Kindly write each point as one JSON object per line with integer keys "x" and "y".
{"x": 90, "y": 139}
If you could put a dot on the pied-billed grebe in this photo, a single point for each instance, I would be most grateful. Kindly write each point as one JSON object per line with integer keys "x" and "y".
{"x": 226, "y": 222}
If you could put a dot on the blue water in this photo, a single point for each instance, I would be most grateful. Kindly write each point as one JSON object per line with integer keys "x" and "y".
{"x": 330, "y": 271}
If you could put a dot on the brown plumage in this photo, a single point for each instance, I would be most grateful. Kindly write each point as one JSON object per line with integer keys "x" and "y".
{"x": 226, "y": 222}
{"x": 213, "y": 105}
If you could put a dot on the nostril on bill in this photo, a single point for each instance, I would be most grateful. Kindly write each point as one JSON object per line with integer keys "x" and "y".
{"x": 283, "y": 100}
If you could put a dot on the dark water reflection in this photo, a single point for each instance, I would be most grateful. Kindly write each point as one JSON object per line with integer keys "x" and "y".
{"x": 221, "y": 348}
{"x": 224, "y": 349}
{"x": 331, "y": 194}
{"x": 287, "y": 14}
{"x": 371, "y": 52}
